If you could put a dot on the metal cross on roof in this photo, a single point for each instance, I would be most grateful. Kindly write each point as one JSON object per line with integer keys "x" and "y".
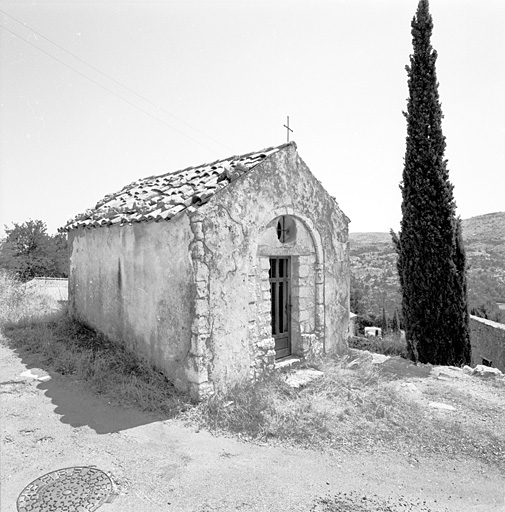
{"x": 288, "y": 128}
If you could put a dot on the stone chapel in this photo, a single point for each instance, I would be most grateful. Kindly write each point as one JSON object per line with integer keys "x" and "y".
{"x": 215, "y": 272}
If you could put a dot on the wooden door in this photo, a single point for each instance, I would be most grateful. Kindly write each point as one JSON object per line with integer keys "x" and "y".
{"x": 280, "y": 293}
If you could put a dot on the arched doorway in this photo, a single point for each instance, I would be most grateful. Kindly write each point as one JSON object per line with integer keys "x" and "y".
{"x": 292, "y": 289}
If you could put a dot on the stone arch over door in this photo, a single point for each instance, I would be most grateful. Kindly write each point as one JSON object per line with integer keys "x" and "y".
{"x": 305, "y": 254}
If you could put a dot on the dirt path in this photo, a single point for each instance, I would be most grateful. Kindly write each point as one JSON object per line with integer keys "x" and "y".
{"x": 164, "y": 465}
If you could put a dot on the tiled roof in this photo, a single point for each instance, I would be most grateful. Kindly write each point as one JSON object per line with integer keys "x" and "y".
{"x": 161, "y": 197}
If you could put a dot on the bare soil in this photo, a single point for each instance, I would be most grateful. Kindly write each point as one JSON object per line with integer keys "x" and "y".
{"x": 161, "y": 465}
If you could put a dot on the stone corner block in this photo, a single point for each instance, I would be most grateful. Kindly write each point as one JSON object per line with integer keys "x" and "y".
{"x": 266, "y": 344}
{"x": 196, "y": 370}
{"x": 312, "y": 346}
{"x": 200, "y": 391}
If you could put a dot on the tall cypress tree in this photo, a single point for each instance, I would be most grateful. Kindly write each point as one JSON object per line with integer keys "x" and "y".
{"x": 431, "y": 257}
{"x": 384, "y": 322}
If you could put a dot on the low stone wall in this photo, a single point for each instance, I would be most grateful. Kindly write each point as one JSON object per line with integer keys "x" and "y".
{"x": 54, "y": 287}
{"x": 488, "y": 342}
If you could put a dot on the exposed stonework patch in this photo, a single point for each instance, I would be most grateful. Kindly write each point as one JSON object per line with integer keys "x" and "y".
{"x": 312, "y": 347}
{"x": 264, "y": 358}
{"x": 261, "y": 344}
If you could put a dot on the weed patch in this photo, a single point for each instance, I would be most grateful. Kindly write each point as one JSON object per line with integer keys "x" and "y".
{"x": 32, "y": 323}
{"x": 64, "y": 346}
{"x": 344, "y": 408}
{"x": 349, "y": 409}
{"x": 20, "y": 301}
{"x": 69, "y": 348}
{"x": 355, "y": 502}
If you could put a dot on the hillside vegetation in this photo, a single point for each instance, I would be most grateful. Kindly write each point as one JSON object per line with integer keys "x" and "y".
{"x": 375, "y": 282}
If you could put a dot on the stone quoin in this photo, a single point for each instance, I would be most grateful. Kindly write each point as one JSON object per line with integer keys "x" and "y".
{"x": 215, "y": 272}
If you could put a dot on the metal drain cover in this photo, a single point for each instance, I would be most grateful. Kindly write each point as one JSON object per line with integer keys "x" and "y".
{"x": 81, "y": 489}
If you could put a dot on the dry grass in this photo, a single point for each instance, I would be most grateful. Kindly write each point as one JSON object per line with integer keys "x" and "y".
{"x": 21, "y": 302}
{"x": 354, "y": 408}
{"x": 344, "y": 408}
{"x": 31, "y": 324}
{"x": 65, "y": 346}
{"x": 350, "y": 409}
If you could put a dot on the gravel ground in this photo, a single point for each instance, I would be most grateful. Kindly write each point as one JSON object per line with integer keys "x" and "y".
{"x": 51, "y": 422}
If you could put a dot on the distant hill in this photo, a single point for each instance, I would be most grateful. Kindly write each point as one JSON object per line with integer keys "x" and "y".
{"x": 484, "y": 238}
{"x": 489, "y": 228}
{"x": 373, "y": 265}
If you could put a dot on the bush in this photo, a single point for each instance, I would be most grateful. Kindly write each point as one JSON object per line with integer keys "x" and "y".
{"x": 29, "y": 251}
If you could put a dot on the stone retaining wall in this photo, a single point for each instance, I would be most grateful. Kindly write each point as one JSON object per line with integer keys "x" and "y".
{"x": 488, "y": 342}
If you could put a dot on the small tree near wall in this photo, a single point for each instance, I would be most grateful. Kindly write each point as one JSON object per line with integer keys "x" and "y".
{"x": 28, "y": 251}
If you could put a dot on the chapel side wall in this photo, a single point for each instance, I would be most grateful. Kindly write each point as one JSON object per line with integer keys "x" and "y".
{"x": 238, "y": 295}
{"x": 487, "y": 341}
{"x": 134, "y": 283}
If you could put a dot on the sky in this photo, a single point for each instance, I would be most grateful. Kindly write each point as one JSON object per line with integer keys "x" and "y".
{"x": 97, "y": 94}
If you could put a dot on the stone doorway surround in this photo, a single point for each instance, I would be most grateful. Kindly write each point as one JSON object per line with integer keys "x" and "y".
{"x": 307, "y": 292}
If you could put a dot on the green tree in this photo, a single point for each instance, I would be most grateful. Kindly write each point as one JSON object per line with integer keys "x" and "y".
{"x": 431, "y": 258}
{"x": 30, "y": 252}
{"x": 59, "y": 254}
{"x": 395, "y": 322}
{"x": 488, "y": 309}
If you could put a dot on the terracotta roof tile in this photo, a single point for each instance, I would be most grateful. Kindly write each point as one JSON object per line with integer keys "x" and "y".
{"x": 161, "y": 197}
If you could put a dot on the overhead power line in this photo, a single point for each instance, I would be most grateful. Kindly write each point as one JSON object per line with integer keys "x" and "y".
{"x": 110, "y": 90}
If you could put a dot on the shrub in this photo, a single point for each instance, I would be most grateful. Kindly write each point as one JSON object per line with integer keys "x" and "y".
{"x": 390, "y": 345}
{"x": 21, "y": 302}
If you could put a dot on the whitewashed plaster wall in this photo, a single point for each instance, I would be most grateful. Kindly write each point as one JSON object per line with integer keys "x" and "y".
{"x": 135, "y": 284}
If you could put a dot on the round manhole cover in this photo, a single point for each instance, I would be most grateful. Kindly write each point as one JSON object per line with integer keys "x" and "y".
{"x": 81, "y": 489}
